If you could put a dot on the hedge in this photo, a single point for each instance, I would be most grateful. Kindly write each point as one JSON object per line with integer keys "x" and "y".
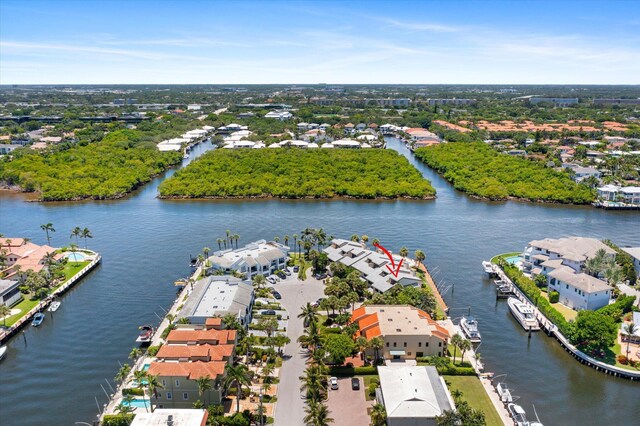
{"x": 117, "y": 419}
{"x": 133, "y": 391}
{"x": 340, "y": 371}
{"x": 554, "y": 297}
{"x": 153, "y": 350}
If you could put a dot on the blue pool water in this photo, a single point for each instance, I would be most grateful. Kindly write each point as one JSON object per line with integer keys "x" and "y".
{"x": 137, "y": 403}
{"x": 145, "y": 367}
{"x": 513, "y": 259}
{"x": 75, "y": 256}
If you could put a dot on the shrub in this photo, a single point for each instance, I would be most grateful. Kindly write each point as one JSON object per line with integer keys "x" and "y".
{"x": 340, "y": 371}
{"x": 620, "y": 307}
{"x": 133, "y": 391}
{"x": 622, "y": 359}
{"x": 554, "y": 297}
{"x": 153, "y": 350}
{"x": 117, "y": 419}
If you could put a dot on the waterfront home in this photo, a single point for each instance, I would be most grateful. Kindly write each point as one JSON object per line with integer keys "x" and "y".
{"x": 8, "y": 148}
{"x": 412, "y": 395}
{"x": 634, "y": 252}
{"x": 259, "y": 257}
{"x": 624, "y": 194}
{"x": 219, "y": 295}
{"x": 180, "y": 386}
{"x": 346, "y": 143}
{"x": 407, "y": 332}
{"x": 579, "y": 291}
{"x": 173, "y": 417}
{"x": 420, "y": 134}
{"x": 9, "y": 292}
{"x": 373, "y": 266}
{"x": 25, "y": 255}
{"x": 572, "y": 251}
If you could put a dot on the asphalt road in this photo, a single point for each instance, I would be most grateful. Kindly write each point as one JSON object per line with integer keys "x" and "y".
{"x": 295, "y": 294}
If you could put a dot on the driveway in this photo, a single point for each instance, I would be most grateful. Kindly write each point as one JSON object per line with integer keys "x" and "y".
{"x": 295, "y": 294}
{"x": 348, "y": 407}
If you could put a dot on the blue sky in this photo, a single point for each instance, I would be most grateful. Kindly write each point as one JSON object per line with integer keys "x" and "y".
{"x": 225, "y": 42}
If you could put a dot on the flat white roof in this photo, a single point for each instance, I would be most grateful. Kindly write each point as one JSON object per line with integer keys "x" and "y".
{"x": 180, "y": 417}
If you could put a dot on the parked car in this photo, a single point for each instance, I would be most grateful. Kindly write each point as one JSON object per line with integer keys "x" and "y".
{"x": 277, "y": 295}
{"x": 355, "y": 383}
{"x": 268, "y": 312}
{"x": 271, "y": 280}
{"x": 321, "y": 276}
{"x": 296, "y": 268}
{"x": 282, "y": 275}
{"x": 287, "y": 271}
{"x": 333, "y": 382}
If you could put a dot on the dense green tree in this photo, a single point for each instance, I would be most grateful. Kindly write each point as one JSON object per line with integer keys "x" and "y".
{"x": 594, "y": 330}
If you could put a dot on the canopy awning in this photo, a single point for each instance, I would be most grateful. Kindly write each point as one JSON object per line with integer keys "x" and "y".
{"x": 393, "y": 353}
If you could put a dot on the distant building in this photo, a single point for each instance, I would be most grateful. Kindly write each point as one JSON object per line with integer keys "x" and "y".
{"x": 8, "y": 148}
{"x": 420, "y": 134}
{"x": 634, "y": 252}
{"x": 412, "y": 395}
{"x": 407, "y": 332}
{"x": 279, "y": 115}
{"x": 616, "y": 101}
{"x": 388, "y": 102}
{"x": 452, "y": 101}
{"x": 624, "y": 194}
{"x": 219, "y": 295}
{"x": 171, "y": 417}
{"x": 260, "y": 257}
{"x": 560, "y": 102}
{"x": 26, "y": 255}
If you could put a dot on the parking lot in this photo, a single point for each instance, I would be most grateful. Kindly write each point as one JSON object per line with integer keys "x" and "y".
{"x": 348, "y": 407}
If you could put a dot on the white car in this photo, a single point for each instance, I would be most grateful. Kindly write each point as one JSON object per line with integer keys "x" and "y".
{"x": 333, "y": 382}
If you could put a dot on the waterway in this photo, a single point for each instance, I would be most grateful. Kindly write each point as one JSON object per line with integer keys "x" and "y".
{"x": 51, "y": 374}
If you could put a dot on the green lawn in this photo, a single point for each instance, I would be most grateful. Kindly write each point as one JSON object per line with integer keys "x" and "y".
{"x": 72, "y": 268}
{"x": 568, "y": 313}
{"x": 474, "y": 393}
{"x": 494, "y": 259}
{"x": 365, "y": 381}
{"x": 25, "y": 306}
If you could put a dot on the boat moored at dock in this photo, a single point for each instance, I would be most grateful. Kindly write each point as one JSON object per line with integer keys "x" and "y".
{"x": 54, "y": 306}
{"x": 469, "y": 327}
{"x": 504, "y": 393}
{"x": 37, "y": 319}
{"x": 3, "y": 351}
{"x": 488, "y": 268}
{"x": 518, "y": 415}
{"x": 524, "y": 314}
{"x": 146, "y": 333}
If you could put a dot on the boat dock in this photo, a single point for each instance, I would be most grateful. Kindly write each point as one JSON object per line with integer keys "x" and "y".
{"x": 5, "y": 335}
{"x": 552, "y": 331}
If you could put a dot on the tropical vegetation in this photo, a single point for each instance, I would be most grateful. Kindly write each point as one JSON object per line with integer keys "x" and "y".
{"x": 298, "y": 173}
{"x": 479, "y": 170}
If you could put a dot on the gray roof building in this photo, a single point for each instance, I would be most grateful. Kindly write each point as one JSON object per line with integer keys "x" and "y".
{"x": 219, "y": 295}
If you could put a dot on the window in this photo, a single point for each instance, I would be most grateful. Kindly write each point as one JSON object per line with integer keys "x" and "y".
{"x": 419, "y": 354}
{"x": 426, "y": 344}
{"x": 395, "y": 344}
{"x": 439, "y": 344}
{"x": 567, "y": 286}
{"x": 387, "y": 344}
{"x": 169, "y": 395}
{"x": 405, "y": 344}
{"x": 185, "y": 395}
{"x": 419, "y": 344}
{"x": 177, "y": 383}
{"x": 409, "y": 353}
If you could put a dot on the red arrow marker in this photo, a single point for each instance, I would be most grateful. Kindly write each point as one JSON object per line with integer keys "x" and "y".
{"x": 395, "y": 271}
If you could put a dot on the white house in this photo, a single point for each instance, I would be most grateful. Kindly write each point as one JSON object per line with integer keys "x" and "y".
{"x": 634, "y": 252}
{"x": 625, "y": 194}
{"x": 259, "y": 257}
{"x": 279, "y": 115}
{"x": 579, "y": 291}
{"x": 412, "y": 395}
{"x": 9, "y": 292}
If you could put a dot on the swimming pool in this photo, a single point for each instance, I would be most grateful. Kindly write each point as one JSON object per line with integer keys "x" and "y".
{"x": 75, "y": 256}
{"x": 513, "y": 260}
{"x": 137, "y": 403}
{"x": 146, "y": 367}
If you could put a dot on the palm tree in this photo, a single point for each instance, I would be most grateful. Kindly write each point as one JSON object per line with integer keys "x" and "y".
{"x": 5, "y": 311}
{"x": 124, "y": 407}
{"x": 295, "y": 239}
{"x": 420, "y": 256}
{"x": 364, "y": 239}
{"x": 404, "y": 252}
{"x": 276, "y": 239}
{"x": 206, "y": 251}
{"x": 219, "y": 241}
{"x": 362, "y": 344}
{"x": 135, "y": 353}
{"x": 378, "y": 415}
{"x": 465, "y": 345}
{"x": 299, "y": 246}
{"x": 240, "y": 375}
{"x": 141, "y": 377}
{"x": 456, "y": 341}
{"x": 236, "y": 237}
{"x": 629, "y": 329}
{"x": 204, "y": 384}
{"x": 229, "y": 236}
{"x": 153, "y": 384}
{"x": 48, "y": 227}
{"x": 76, "y": 232}
{"x": 309, "y": 313}
{"x": 74, "y": 248}
{"x": 320, "y": 237}
{"x": 123, "y": 373}
{"x": 286, "y": 240}
{"x": 86, "y": 233}
{"x": 317, "y": 414}
{"x": 376, "y": 344}
{"x": 375, "y": 241}
{"x": 355, "y": 238}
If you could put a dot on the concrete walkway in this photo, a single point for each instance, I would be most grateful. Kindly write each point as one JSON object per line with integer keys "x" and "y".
{"x": 295, "y": 294}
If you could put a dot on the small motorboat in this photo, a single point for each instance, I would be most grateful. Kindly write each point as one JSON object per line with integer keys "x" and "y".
{"x": 146, "y": 332}
{"x": 37, "y": 319}
{"x": 517, "y": 414}
{"x": 469, "y": 327}
{"x": 504, "y": 393}
{"x": 3, "y": 350}
{"x": 54, "y": 306}
{"x": 488, "y": 268}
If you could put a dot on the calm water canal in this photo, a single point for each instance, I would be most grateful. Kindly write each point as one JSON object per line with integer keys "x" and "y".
{"x": 51, "y": 374}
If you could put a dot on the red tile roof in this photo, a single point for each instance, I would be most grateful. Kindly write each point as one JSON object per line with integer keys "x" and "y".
{"x": 190, "y": 370}
{"x": 220, "y": 337}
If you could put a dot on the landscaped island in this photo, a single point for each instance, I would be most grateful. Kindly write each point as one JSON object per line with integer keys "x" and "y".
{"x": 480, "y": 170}
{"x": 298, "y": 173}
{"x": 110, "y": 168}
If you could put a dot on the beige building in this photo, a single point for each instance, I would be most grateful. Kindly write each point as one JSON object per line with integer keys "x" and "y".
{"x": 406, "y": 332}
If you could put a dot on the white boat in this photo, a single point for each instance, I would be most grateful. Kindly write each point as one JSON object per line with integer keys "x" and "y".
{"x": 3, "y": 350}
{"x": 524, "y": 314}
{"x": 54, "y": 306}
{"x": 504, "y": 393}
{"x": 518, "y": 415}
{"x": 488, "y": 268}
{"x": 469, "y": 327}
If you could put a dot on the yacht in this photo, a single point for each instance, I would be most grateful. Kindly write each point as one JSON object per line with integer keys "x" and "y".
{"x": 469, "y": 327}
{"x": 54, "y": 306}
{"x": 504, "y": 393}
{"x": 37, "y": 319}
{"x": 3, "y": 350}
{"x": 146, "y": 333}
{"x": 488, "y": 268}
{"x": 524, "y": 314}
{"x": 518, "y": 415}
